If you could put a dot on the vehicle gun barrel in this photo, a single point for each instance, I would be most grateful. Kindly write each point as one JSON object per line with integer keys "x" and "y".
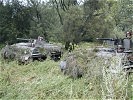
{"x": 24, "y": 39}
{"x": 110, "y": 39}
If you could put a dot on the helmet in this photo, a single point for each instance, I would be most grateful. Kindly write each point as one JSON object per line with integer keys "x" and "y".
{"x": 129, "y": 34}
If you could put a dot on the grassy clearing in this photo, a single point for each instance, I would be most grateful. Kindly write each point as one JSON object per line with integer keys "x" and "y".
{"x": 44, "y": 80}
{"x": 40, "y": 80}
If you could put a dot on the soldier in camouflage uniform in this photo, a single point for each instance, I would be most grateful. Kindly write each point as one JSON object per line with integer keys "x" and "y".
{"x": 127, "y": 42}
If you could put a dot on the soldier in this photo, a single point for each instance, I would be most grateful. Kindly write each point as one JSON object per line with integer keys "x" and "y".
{"x": 34, "y": 43}
{"x": 120, "y": 47}
{"x": 127, "y": 42}
{"x": 71, "y": 47}
{"x": 40, "y": 38}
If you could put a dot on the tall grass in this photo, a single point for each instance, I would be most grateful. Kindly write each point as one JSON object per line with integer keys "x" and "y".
{"x": 44, "y": 80}
{"x": 115, "y": 81}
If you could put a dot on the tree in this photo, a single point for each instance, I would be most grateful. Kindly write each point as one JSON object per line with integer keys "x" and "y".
{"x": 44, "y": 19}
{"x": 125, "y": 15}
{"x": 64, "y": 5}
{"x": 98, "y": 20}
{"x": 73, "y": 25}
{"x": 15, "y": 19}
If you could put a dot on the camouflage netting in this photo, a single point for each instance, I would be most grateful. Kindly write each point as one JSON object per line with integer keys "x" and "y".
{"x": 76, "y": 63}
{"x": 11, "y": 52}
{"x": 7, "y": 53}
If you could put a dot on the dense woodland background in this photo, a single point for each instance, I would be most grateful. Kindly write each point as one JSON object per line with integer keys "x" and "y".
{"x": 64, "y": 21}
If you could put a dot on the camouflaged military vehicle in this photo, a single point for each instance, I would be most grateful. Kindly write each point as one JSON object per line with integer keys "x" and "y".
{"x": 118, "y": 47}
{"x": 22, "y": 53}
{"x": 31, "y": 49}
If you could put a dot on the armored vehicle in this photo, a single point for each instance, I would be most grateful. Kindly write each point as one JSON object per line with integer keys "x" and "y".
{"x": 51, "y": 50}
{"x": 117, "y": 47}
{"x": 31, "y": 49}
{"x": 22, "y": 53}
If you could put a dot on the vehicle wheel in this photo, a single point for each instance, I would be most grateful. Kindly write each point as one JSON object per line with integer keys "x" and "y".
{"x": 20, "y": 63}
{"x": 40, "y": 59}
{"x": 44, "y": 57}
